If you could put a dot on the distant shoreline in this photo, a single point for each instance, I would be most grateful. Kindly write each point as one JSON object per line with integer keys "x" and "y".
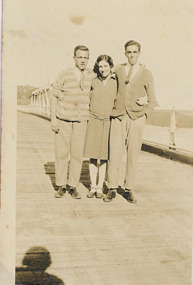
{"x": 161, "y": 118}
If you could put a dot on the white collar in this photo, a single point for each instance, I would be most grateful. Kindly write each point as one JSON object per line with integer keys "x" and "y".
{"x": 136, "y": 68}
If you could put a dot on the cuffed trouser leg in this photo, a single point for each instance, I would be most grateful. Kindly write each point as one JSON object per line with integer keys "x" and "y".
{"x": 76, "y": 152}
{"x": 62, "y": 150}
{"x": 117, "y": 145}
{"x": 134, "y": 141}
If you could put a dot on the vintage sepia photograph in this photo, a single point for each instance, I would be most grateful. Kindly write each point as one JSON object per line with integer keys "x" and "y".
{"x": 96, "y": 142}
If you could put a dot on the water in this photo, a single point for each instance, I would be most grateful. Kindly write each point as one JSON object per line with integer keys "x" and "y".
{"x": 184, "y": 136}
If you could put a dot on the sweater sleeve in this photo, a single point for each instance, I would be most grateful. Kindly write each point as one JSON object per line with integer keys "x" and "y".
{"x": 151, "y": 99}
{"x": 119, "y": 106}
{"x": 57, "y": 89}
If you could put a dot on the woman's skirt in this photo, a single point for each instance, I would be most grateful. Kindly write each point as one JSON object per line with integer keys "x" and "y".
{"x": 97, "y": 139}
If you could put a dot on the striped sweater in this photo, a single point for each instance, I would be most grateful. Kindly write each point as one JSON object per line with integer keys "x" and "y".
{"x": 72, "y": 103}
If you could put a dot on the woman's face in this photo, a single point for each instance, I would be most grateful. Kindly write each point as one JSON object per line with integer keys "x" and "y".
{"x": 104, "y": 68}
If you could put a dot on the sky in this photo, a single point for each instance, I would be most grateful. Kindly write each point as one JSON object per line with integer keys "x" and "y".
{"x": 39, "y": 38}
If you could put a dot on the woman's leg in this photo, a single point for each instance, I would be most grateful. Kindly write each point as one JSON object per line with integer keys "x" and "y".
{"x": 93, "y": 172}
{"x": 102, "y": 172}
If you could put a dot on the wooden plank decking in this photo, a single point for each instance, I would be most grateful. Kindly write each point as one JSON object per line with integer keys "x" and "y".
{"x": 91, "y": 242}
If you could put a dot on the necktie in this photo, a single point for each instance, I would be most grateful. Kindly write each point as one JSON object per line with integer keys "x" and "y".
{"x": 82, "y": 77}
{"x": 129, "y": 75}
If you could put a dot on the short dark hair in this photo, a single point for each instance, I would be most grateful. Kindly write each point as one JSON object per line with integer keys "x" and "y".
{"x": 132, "y": 43}
{"x": 104, "y": 57}
{"x": 84, "y": 48}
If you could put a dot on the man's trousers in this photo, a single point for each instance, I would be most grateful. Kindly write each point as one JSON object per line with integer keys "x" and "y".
{"x": 69, "y": 145}
{"x": 126, "y": 134}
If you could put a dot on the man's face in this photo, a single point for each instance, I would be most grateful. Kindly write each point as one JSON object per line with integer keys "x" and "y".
{"x": 81, "y": 59}
{"x": 132, "y": 53}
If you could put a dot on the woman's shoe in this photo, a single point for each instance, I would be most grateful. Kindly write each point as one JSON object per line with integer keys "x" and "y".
{"x": 99, "y": 193}
{"x": 91, "y": 193}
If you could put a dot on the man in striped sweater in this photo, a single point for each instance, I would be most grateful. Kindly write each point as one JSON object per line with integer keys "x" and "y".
{"x": 69, "y": 114}
{"x": 134, "y": 103}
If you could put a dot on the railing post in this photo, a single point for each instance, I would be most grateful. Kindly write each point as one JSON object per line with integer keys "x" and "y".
{"x": 36, "y": 104}
{"x": 42, "y": 103}
{"x": 39, "y": 102}
{"x": 31, "y": 103}
{"x": 172, "y": 130}
{"x": 47, "y": 100}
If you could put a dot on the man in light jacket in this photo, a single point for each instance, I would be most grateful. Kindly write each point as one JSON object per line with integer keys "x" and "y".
{"x": 134, "y": 103}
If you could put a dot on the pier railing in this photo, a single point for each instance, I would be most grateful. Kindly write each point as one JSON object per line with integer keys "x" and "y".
{"x": 40, "y": 103}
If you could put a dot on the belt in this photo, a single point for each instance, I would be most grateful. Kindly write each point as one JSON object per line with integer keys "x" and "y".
{"x": 95, "y": 116}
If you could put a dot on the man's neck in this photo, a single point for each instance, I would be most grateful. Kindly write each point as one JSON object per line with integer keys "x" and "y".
{"x": 134, "y": 65}
{"x": 78, "y": 69}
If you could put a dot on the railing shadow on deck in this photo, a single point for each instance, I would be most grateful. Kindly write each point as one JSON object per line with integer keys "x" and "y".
{"x": 49, "y": 168}
{"x": 33, "y": 270}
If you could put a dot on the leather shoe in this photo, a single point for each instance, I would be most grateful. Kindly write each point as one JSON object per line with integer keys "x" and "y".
{"x": 110, "y": 196}
{"x": 74, "y": 193}
{"x": 61, "y": 191}
{"x": 128, "y": 195}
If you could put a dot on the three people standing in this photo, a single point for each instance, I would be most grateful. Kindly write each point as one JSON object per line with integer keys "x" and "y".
{"x": 134, "y": 102}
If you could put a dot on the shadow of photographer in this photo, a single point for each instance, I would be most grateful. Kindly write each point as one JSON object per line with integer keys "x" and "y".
{"x": 35, "y": 262}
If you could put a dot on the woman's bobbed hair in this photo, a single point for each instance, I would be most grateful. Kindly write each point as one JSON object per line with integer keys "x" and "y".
{"x": 104, "y": 57}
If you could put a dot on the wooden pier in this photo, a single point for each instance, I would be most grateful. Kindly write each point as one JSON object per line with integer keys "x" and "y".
{"x": 95, "y": 243}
